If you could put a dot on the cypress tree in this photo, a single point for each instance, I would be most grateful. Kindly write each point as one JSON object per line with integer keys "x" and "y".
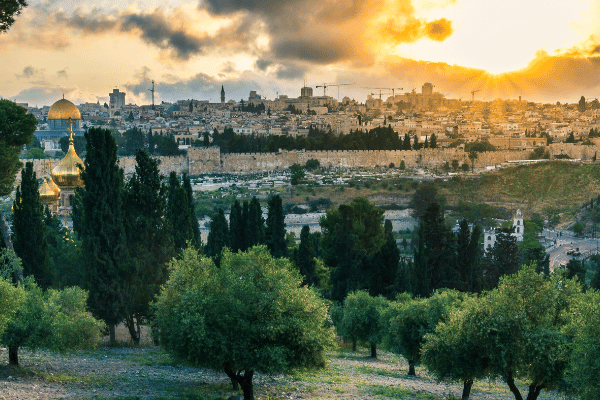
{"x": 406, "y": 143}
{"x": 244, "y": 227}
{"x": 102, "y": 229}
{"x": 305, "y": 258}
{"x": 255, "y": 227}
{"x": 193, "y": 218}
{"x": 236, "y": 228}
{"x": 384, "y": 267}
{"x": 149, "y": 240}
{"x": 275, "y": 228}
{"x": 178, "y": 213}
{"x": 29, "y": 233}
{"x": 218, "y": 236}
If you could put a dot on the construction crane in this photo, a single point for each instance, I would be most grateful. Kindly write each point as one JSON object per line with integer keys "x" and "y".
{"x": 382, "y": 88}
{"x": 473, "y": 94}
{"x": 152, "y": 90}
{"x": 326, "y": 85}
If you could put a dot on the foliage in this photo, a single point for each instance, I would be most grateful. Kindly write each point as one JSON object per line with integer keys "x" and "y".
{"x": 504, "y": 258}
{"x": 149, "y": 240}
{"x": 180, "y": 212}
{"x": 29, "y": 235}
{"x": 578, "y": 229}
{"x": 361, "y": 319}
{"x": 305, "y": 258}
{"x": 102, "y": 229}
{"x": 16, "y": 126}
{"x": 251, "y": 314}
{"x": 297, "y": 173}
{"x": 275, "y": 228}
{"x": 425, "y": 195}
{"x": 411, "y": 319}
{"x": 9, "y": 10}
{"x": 55, "y": 319}
{"x": 78, "y": 141}
{"x": 10, "y": 299}
{"x": 584, "y": 362}
{"x": 218, "y": 236}
{"x": 312, "y": 164}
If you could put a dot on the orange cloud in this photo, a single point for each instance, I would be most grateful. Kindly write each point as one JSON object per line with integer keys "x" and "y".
{"x": 439, "y": 30}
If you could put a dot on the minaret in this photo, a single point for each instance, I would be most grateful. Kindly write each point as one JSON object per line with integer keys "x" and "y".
{"x": 222, "y": 95}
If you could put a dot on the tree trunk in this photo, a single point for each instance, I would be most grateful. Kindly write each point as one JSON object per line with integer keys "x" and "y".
{"x": 111, "y": 333}
{"x": 247, "y": 386}
{"x": 467, "y": 389}
{"x": 534, "y": 391}
{"x": 133, "y": 329}
{"x": 234, "y": 384}
{"x": 373, "y": 350}
{"x": 513, "y": 388}
{"x": 411, "y": 368}
{"x": 245, "y": 381}
{"x": 353, "y": 345}
{"x": 13, "y": 355}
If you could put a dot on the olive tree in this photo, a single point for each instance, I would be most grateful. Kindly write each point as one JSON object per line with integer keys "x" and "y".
{"x": 250, "y": 314}
{"x": 54, "y": 319}
{"x": 361, "y": 319}
{"x": 584, "y": 363}
{"x": 452, "y": 353}
{"x": 411, "y": 319}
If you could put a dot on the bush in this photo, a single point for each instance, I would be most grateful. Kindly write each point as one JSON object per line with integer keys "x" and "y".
{"x": 312, "y": 164}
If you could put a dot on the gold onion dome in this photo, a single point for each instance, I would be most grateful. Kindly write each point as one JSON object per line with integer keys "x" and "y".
{"x": 64, "y": 109}
{"x": 47, "y": 194}
{"x": 66, "y": 172}
{"x": 54, "y": 187}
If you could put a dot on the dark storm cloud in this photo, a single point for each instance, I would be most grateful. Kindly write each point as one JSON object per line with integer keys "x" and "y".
{"x": 325, "y": 52}
{"x": 263, "y": 64}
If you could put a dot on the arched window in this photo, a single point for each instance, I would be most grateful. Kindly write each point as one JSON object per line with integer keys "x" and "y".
{"x": 518, "y": 230}
{"x": 489, "y": 238}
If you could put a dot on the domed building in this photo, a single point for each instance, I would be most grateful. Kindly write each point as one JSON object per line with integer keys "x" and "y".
{"x": 59, "y": 115}
{"x": 58, "y": 192}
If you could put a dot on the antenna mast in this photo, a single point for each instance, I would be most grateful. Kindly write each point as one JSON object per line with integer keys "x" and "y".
{"x": 152, "y": 90}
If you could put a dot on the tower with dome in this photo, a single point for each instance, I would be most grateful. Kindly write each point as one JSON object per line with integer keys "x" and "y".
{"x": 58, "y": 189}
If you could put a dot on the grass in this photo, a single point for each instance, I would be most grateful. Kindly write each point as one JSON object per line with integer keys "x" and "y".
{"x": 396, "y": 392}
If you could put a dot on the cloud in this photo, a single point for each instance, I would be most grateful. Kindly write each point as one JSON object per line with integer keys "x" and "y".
{"x": 546, "y": 78}
{"x": 62, "y": 73}
{"x": 439, "y": 30}
{"x": 48, "y": 94}
{"x": 29, "y": 72}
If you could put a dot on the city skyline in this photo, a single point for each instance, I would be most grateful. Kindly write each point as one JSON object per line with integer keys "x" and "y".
{"x": 544, "y": 51}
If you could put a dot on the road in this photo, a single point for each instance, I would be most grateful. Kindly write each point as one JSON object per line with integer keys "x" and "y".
{"x": 564, "y": 241}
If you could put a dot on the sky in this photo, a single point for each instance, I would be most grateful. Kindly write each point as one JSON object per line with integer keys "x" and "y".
{"x": 542, "y": 50}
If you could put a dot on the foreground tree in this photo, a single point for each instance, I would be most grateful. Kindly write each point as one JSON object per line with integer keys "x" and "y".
{"x": 584, "y": 364}
{"x": 179, "y": 213}
{"x": 9, "y": 9}
{"x": 450, "y": 353}
{"x": 102, "y": 229}
{"x": 29, "y": 233}
{"x": 54, "y": 319}
{"x": 16, "y": 130}
{"x": 410, "y": 320}
{"x": 149, "y": 240}
{"x": 251, "y": 314}
{"x": 361, "y": 319}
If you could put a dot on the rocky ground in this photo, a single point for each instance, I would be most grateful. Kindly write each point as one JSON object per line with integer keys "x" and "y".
{"x": 147, "y": 372}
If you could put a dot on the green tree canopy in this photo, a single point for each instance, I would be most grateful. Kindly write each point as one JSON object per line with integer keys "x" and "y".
{"x": 29, "y": 233}
{"x": 16, "y": 130}
{"x": 9, "y": 9}
{"x": 102, "y": 229}
{"x": 251, "y": 314}
{"x": 362, "y": 320}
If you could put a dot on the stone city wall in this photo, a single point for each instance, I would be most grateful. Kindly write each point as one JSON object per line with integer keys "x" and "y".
{"x": 210, "y": 160}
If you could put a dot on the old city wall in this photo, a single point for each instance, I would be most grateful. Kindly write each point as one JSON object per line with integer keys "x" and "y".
{"x": 210, "y": 160}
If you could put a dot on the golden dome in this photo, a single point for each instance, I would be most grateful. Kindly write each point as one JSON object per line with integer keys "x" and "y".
{"x": 54, "y": 187}
{"x": 64, "y": 109}
{"x": 66, "y": 172}
{"x": 47, "y": 194}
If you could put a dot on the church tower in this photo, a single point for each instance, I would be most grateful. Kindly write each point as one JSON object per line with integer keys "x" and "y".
{"x": 222, "y": 95}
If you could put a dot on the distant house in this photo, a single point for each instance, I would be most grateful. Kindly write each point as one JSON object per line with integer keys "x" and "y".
{"x": 489, "y": 236}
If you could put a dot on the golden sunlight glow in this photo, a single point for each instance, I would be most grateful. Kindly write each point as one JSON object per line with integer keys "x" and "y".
{"x": 501, "y": 35}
